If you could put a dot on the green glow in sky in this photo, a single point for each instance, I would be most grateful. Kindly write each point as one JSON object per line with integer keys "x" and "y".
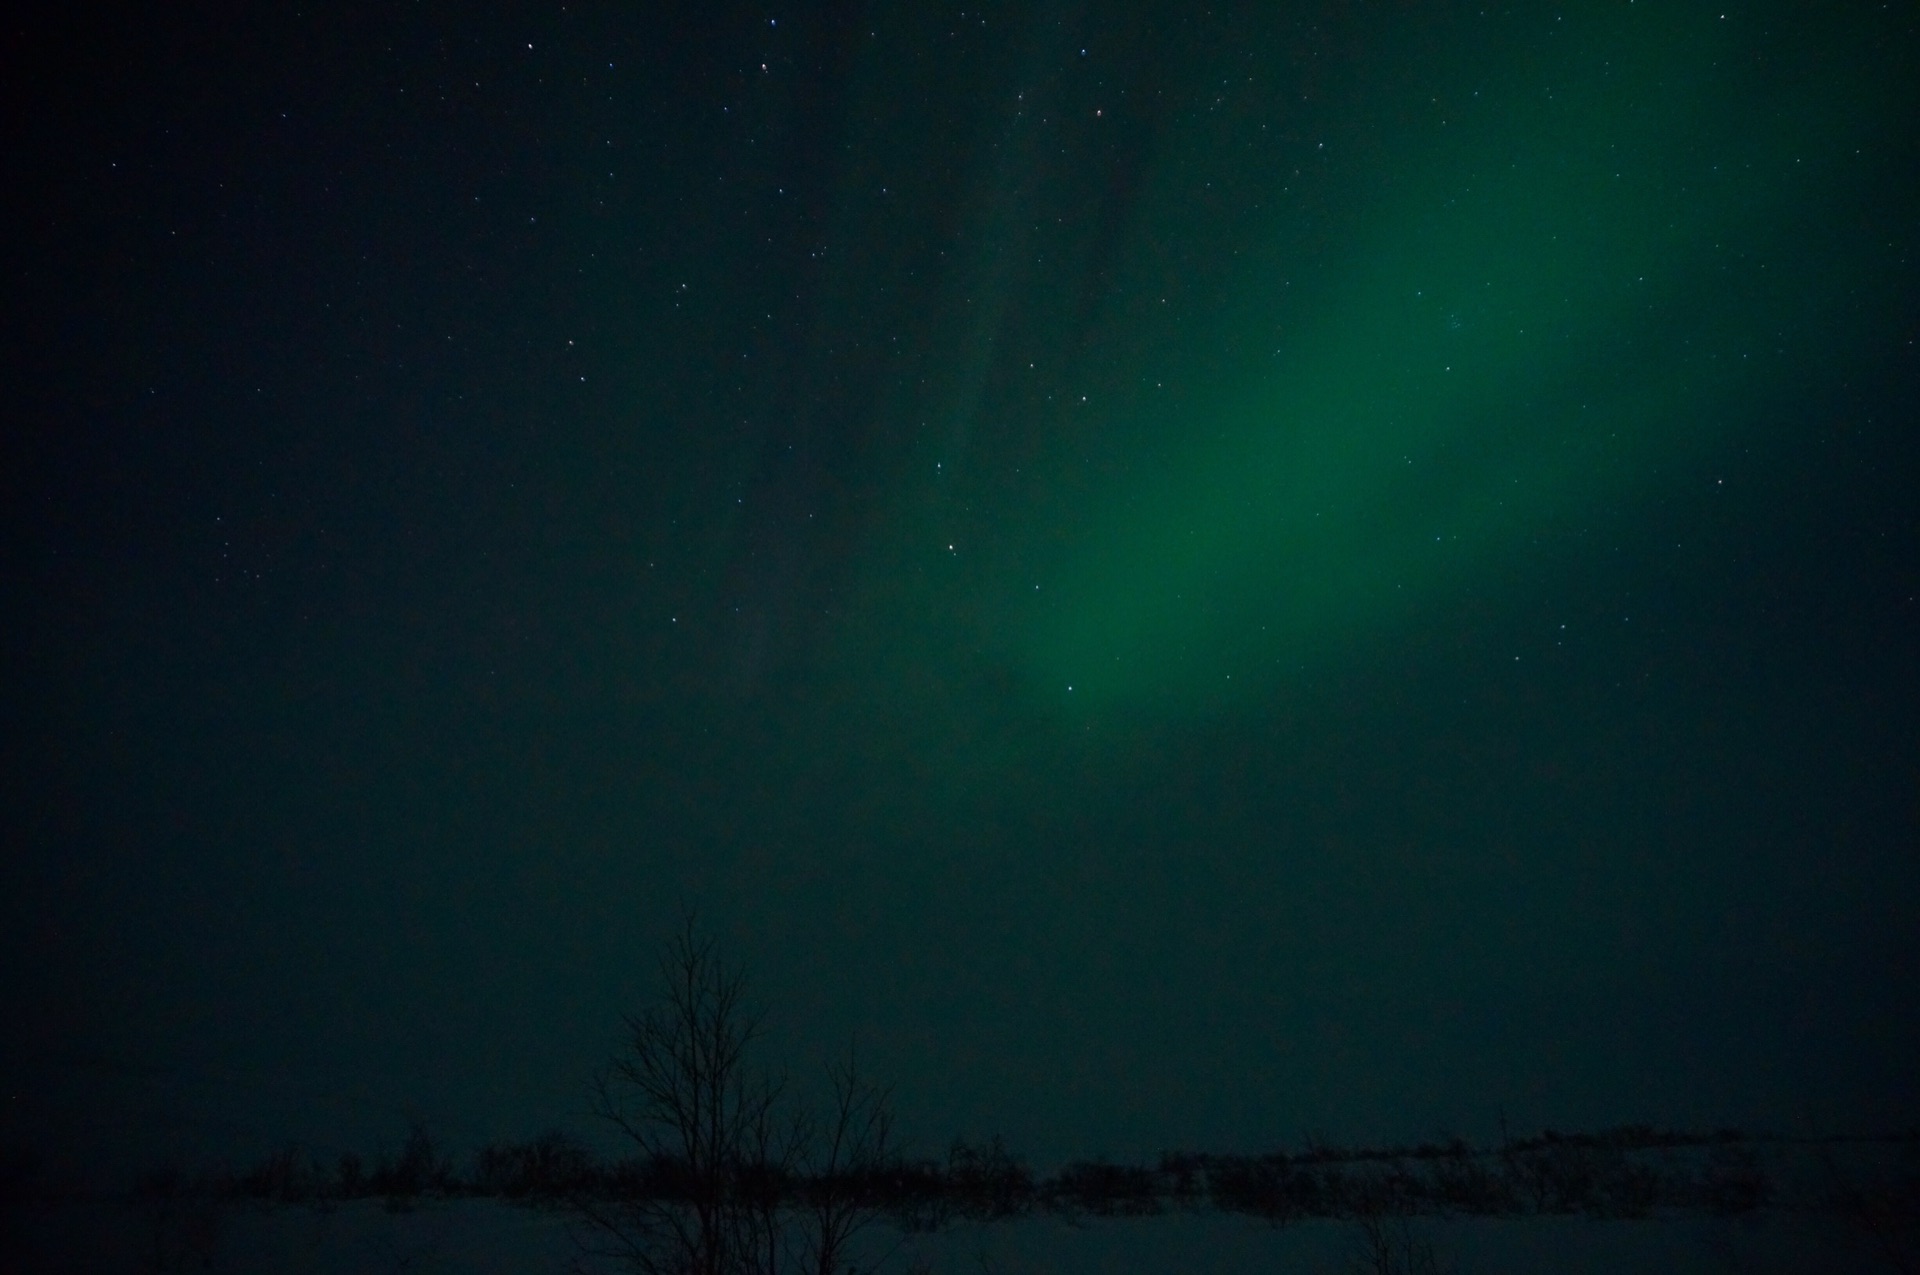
{"x": 1501, "y": 283}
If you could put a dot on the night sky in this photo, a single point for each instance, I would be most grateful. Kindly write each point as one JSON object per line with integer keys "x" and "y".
{"x": 1188, "y": 574}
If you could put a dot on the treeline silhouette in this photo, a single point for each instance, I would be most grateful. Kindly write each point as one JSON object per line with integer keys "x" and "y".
{"x": 1632, "y": 1171}
{"x": 728, "y": 1169}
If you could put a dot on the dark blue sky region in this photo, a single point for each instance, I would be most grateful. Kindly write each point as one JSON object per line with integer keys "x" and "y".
{"x": 1188, "y": 574}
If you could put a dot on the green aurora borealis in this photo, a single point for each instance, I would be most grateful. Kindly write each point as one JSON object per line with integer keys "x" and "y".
{"x": 1188, "y": 572}
{"x": 1509, "y": 276}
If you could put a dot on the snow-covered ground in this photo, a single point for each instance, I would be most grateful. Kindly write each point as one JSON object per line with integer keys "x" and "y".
{"x": 479, "y": 1236}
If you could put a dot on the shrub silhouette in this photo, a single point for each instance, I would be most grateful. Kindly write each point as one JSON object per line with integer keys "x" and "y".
{"x": 1106, "y": 1189}
{"x": 1389, "y": 1245}
{"x": 553, "y": 1166}
{"x": 419, "y": 1169}
{"x": 988, "y": 1182}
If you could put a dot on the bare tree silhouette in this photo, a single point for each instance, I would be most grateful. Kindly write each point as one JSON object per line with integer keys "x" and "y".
{"x": 702, "y": 1118}
{"x": 776, "y": 1146}
{"x": 729, "y": 1175}
{"x": 851, "y": 1152}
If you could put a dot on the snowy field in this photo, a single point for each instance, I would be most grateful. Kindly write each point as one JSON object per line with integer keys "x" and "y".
{"x": 467, "y": 1236}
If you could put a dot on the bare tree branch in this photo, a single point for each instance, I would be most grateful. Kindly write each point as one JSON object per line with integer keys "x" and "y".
{"x": 852, "y": 1149}
{"x": 682, "y": 1093}
{"x": 732, "y": 1177}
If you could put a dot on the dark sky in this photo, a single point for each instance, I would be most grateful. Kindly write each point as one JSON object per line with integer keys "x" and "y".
{"x": 1189, "y": 573}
